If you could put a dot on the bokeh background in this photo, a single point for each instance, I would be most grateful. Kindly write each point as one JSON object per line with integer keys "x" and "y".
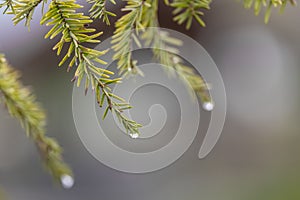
{"x": 257, "y": 156}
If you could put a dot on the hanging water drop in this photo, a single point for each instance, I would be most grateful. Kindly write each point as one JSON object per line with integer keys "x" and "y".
{"x": 134, "y": 135}
{"x": 208, "y": 106}
{"x": 67, "y": 181}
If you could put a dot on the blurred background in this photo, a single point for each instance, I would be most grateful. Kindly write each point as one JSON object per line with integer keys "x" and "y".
{"x": 255, "y": 158}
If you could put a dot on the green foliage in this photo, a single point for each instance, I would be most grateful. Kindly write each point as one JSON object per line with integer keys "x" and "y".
{"x": 8, "y": 4}
{"x": 187, "y": 10}
{"x": 22, "y": 105}
{"x": 143, "y": 14}
{"x": 72, "y": 26}
{"x": 21, "y": 9}
{"x": 174, "y": 64}
{"x": 257, "y": 5}
{"x": 98, "y": 10}
{"x": 161, "y": 42}
{"x": 124, "y": 37}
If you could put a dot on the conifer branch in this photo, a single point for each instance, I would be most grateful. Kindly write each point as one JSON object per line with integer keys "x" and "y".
{"x": 21, "y": 9}
{"x": 99, "y": 11}
{"x": 187, "y": 10}
{"x": 22, "y": 105}
{"x": 268, "y": 4}
{"x": 124, "y": 37}
{"x": 62, "y": 15}
{"x": 143, "y": 14}
{"x": 161, "y": 42}
{"x": 9, "y": 6}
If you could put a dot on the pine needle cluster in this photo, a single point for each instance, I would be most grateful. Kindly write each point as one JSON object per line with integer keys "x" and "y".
{"x": 141, "y": 19}
{"x": 99, "y": 11}
{"x": 71, "y": 26}
{"x": 125, "y": 35}
{"x": 21, "y": 104}
{"x": 257, "y": 6}
{"x": 170, "y": 59}
{"x": 21, "y": 9}
{"x": 187, "y": 10}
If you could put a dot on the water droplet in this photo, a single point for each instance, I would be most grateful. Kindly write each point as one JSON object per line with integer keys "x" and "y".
{"x": 134, "y": 135}
{"x": 67, "y": 181}
{"x": 208, "y": 106}
{"x": 176, "y": 60}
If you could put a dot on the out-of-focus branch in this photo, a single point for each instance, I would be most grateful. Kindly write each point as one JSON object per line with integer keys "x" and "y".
{"x": 257, "y": 6}
{"x": 21, "y": 104}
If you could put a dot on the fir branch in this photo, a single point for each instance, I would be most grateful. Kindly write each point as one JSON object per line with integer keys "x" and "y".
{"x": 164, "y": 50}
{"x": 62, "y": 15}
{"x": 174, "y": 64}
{"x": 124, "y": 37}
{"x": 9, "y": 6}
{"x": 116, "y": 105}
{"x": 187, "y": 10}
{"x": 21, "y": 9}
{"x": 268, "y": 4}
{"x": 143, "y": 14}
{"x": 22, "y": 105}
{"x": 99, "y": 11}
